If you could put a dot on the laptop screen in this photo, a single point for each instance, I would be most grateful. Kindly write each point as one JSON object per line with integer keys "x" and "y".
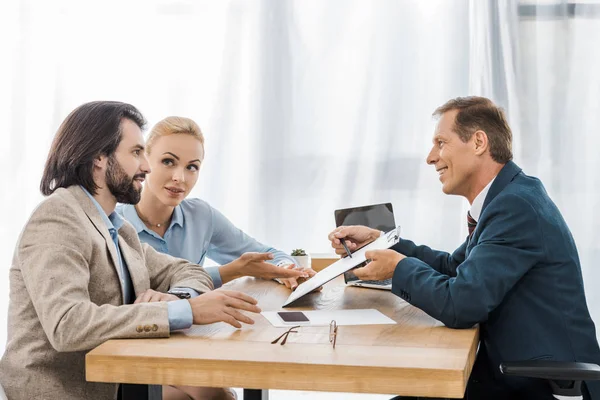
{"x": 376, "y": 216}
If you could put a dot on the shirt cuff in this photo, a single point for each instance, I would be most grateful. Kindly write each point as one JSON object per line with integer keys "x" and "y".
{"x": 191, "y": 291}
{"x": 215, "y": 276}
{"x": 180, "y": 314}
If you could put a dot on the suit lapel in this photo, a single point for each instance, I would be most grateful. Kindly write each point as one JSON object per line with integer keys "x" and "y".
{"x": 136, "y": 266}
{"x": 505, "y": 176}
{"x": 94, "y": 216}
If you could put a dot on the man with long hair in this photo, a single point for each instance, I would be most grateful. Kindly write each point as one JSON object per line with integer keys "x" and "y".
{"x": 80, "y": 275}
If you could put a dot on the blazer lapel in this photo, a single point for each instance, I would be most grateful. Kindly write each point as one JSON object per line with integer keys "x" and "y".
{"x": 505, "y": 176}
{"x": 94, "y": 216}
{"x": 136, "y": 266}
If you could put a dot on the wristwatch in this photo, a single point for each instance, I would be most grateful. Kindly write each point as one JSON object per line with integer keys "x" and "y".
{"x": 182, "y": 294}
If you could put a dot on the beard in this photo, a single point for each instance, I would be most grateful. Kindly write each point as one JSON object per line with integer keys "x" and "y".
{"x": 120, "y": 184}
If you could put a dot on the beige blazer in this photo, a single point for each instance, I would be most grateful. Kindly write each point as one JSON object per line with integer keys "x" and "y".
{"x": 66, "y": 297}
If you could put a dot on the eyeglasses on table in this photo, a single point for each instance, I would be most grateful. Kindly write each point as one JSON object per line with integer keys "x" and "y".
{"x": 333, "y": 330}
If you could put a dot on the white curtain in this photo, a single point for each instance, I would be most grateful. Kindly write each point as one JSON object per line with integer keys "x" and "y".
{"x": 308, "y": 105}
{"x": 539, "y": 60}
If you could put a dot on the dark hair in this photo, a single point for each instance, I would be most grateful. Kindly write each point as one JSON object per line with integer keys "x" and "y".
{"x": 91, "y": 130}
{"x": 479, "y": 113}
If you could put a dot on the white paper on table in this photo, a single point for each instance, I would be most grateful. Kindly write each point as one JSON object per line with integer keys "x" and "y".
{"x": 341, "y": 317}
{"x": 385, "y": 241}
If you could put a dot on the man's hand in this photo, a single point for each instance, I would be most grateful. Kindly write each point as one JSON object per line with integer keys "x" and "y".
{"x": 253, "y": 264}
{"x": 382, "y": 266}
{"x": 292, "y": 283}
{"x": 355, "y": 236}
{"x": 223, "y": 306}
{"x": 151, "y": 296}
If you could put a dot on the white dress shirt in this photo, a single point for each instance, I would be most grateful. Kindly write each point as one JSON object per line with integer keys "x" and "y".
{"x": 479, "y": 200}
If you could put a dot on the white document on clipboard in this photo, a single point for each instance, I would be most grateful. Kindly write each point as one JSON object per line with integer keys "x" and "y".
{"x": 385, "y": 241}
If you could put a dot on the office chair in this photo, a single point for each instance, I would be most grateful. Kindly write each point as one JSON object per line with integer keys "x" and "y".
{"x": 564, "y": 377}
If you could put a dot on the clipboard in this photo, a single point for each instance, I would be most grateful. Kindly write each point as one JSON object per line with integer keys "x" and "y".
{"x": 342, "y": 265}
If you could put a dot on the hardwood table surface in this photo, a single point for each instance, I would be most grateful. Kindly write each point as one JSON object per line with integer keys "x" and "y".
{"x": 418, "y": 356}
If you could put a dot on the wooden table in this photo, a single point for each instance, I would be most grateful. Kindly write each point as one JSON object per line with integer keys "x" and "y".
{"x": 418, "y": 356}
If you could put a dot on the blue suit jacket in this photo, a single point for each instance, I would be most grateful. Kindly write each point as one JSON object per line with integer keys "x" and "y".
{"x": 518, "y": 276}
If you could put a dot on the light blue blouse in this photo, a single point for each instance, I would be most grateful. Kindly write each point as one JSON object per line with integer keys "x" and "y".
{"x": 199, "y": 231}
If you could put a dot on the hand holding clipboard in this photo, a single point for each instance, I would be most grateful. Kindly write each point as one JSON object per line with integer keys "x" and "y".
{"x": 384, "y": 241}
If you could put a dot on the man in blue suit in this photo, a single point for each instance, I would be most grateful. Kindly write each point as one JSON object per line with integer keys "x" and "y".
{"x": 517, "y": 274}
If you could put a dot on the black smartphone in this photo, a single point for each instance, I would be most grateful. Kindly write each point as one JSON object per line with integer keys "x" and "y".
{"x": 292, "y": 317}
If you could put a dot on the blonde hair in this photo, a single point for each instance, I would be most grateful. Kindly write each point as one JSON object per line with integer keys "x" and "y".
{"x": 172, "y": 126}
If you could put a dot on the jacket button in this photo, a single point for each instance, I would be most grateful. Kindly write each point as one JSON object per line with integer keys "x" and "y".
{"x": 147, "y": 328}
{"x": 139, "y": 329}
{"x": 154, "y": 328}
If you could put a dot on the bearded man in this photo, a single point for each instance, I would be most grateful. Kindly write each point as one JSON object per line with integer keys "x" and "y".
{"x": 80, "y": 275}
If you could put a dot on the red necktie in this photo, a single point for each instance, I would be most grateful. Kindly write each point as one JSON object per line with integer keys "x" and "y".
{"x": 471, "y": 223}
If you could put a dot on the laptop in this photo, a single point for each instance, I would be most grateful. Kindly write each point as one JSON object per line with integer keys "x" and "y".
{"x": 376, "y": 216}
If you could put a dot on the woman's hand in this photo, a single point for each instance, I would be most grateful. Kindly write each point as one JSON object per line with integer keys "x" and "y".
{"x": 292, "y": 283}
{"x": 254, "y": 264}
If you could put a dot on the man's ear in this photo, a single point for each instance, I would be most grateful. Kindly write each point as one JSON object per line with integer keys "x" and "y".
{"x": 100, "y": 161}
{"x": 480, "y": 141}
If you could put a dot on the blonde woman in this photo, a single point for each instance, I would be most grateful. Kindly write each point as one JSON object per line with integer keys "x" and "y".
{"x": 191, "y": 228}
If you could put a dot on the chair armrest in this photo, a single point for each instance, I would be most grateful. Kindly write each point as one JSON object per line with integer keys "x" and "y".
{"x": 554, "y": 370}
{"x": 564, "y": 377}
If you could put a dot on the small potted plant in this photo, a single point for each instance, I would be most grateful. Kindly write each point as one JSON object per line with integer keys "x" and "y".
{"x": 302, "y": 259}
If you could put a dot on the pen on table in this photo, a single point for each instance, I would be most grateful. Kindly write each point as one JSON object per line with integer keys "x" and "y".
{"x": 345, "y": 247}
